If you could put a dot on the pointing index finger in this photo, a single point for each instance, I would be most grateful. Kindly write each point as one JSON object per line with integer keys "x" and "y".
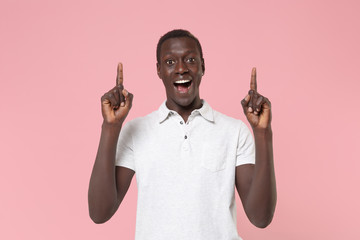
{"x": 253, "y": 83}
{"x": 119, "y": 76}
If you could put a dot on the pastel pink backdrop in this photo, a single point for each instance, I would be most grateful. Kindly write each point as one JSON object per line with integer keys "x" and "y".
{"x": 58, "y": 57}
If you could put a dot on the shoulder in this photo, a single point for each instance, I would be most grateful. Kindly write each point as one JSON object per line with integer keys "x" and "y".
{"x": 140, "y": 128}
{"x": 142, "y": 122}
{"x": 222, "y": 119}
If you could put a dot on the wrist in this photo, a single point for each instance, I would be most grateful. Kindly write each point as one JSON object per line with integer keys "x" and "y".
{"x": 111, "y": 126}
{"x": 262, "y": 132}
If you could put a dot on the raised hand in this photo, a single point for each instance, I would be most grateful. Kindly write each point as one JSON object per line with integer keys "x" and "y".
{"x": 116, "y": 103}
{"x": 257, "y": 108}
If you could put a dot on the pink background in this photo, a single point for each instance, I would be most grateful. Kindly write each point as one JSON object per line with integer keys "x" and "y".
{"x": 58, "y": 58}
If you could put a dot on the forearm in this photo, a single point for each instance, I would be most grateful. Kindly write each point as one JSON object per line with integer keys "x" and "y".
{"x": 102, "y": 195}
{"x": 261, "y": 199}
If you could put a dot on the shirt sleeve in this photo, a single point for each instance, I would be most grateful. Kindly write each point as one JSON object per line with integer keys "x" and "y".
{"x": 124, "y": 152}
{"x": 245, "y": 152}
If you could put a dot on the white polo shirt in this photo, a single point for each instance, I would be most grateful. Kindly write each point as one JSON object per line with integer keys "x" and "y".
{"x": 185, "y": 172}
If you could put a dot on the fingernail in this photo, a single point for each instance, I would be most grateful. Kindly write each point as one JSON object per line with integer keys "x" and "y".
{"x": 250, "y": 109}
{"x": 257, "y": 109}
{"x": 126, "y": 92}
{"x": 122, "y": 104}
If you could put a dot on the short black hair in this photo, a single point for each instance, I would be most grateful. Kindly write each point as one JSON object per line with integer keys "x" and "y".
{"x": 177, "y": 33}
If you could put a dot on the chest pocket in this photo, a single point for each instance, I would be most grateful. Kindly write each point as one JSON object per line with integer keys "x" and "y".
{"x": 214, "y": 157}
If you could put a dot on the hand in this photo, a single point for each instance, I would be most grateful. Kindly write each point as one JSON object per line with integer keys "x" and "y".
{"x": 116, "y": 103}
{"x": 257, "y": 108}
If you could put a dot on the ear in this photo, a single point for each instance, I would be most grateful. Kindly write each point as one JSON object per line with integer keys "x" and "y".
{"x": 203, "y": 66}
{"x": 158, "y": 69}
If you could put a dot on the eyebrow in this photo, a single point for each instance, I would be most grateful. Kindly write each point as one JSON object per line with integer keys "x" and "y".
{"x": 188, "y": 51}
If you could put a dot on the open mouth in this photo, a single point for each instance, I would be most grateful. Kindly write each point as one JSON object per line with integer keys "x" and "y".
{"x": 182, "y": 85}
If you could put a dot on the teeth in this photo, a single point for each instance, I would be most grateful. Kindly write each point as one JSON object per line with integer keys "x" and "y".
{"x": 182, "y": 81}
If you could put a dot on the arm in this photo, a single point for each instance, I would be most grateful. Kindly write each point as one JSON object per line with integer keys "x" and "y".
{"x": 256, "y": 183}
{"x": 109, "y": 184}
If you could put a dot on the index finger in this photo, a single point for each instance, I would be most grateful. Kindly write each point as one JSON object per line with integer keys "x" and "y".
{"x": 253, "y": 84}
{"x": 119, "y": 76}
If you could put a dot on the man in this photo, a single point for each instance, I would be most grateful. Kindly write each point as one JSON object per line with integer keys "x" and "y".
{"x": 188, "y": 158}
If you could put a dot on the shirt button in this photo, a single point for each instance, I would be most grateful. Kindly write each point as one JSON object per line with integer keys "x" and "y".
{"x": 185, "y": 137}
{"x": 181, "y": 122}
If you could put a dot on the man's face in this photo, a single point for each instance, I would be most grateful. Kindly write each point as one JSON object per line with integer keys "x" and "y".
{"x": 180, "y": 69}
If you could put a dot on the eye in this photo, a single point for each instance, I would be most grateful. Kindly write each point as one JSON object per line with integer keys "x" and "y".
{"x": 190, "y": 60}
{"x": 170, "y": 62}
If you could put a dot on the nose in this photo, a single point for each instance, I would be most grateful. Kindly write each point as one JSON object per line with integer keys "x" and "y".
{"x": 181, "y": 68}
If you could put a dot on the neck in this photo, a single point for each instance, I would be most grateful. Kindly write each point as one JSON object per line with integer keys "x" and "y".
{"x": 185, "y": 111}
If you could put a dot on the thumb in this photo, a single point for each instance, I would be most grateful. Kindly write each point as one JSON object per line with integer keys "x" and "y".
{"x": 267, "y": 104}
{"x": 245, "y": 102}
{"x": 128, "y": 98}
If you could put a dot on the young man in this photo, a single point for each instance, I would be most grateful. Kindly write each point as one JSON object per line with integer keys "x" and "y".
{"x": 188, "y": 158}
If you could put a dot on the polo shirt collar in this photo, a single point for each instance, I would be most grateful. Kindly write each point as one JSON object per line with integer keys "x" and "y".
{"x": 205, "y": 111}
